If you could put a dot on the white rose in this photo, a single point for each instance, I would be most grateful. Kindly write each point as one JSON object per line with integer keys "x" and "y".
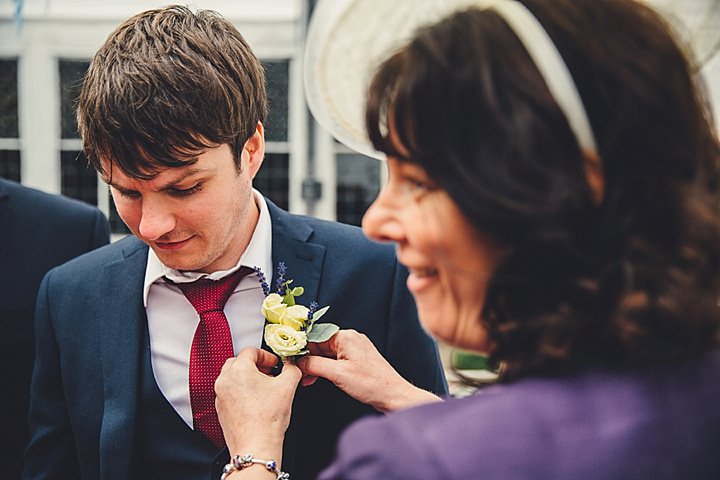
{"x": 284, "y": 340}
{"x": 295, "y": 317}
{"x": 273, "y": 308}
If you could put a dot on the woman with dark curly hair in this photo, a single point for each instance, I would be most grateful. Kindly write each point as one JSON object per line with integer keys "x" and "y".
{"x": 554, "y": 191}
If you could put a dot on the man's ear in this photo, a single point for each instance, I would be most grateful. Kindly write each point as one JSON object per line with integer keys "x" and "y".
{"x": 255, "y": 149}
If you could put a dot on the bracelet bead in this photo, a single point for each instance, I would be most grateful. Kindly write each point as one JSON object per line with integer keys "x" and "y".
{"x": 239, "y": 462}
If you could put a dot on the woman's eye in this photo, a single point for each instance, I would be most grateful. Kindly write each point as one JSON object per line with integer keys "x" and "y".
{"x": 417, "y": 186}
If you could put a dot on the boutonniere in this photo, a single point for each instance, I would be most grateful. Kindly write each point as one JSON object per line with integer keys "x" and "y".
{"x": 291, "y": 325}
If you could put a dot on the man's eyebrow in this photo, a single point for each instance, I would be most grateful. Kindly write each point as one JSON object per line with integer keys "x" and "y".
{"x": 185, "y": 174}
{"x": 169, "y": 185}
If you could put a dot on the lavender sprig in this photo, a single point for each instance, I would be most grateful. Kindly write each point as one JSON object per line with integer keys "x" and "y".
{"x": 263, "y": 280}
{"x": 280, "y": 286}
{"x": 311, "y": 311}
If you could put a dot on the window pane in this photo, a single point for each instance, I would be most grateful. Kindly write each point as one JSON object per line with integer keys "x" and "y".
{"x": 358, "y": 183}
{"x": 272, "y": 179}
{"x": 8, "y": 99}
{"x": 78, "y": 179}
{"x": 116, "y": 223}
{"x": 276, "y": 77}
{"x": 71, "y": 78}
{"x": 10, "y": 164}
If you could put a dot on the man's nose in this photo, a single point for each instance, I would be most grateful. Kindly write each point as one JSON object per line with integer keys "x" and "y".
{"x": 157, "y": 220}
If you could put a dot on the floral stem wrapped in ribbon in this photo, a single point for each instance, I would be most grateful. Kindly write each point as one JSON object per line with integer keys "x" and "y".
{"x": 290, "y": 325}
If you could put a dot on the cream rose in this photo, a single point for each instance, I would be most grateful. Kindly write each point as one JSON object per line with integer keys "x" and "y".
{"x": 284, "y": 340}
{"x": 295, "y": 316}
{"x": 273, "y": 308}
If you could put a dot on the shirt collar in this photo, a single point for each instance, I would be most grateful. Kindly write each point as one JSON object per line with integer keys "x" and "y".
{"x": 257, "y": 254}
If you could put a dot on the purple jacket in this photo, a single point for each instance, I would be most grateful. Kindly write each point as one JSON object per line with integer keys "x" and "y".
{"x": 661, "y": 423}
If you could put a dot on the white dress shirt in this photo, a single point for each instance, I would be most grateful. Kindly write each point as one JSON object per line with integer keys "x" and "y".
{"x": 172, "y": 320}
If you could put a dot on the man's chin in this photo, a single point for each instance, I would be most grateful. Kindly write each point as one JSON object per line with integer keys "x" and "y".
{"x": 178, "y": 261}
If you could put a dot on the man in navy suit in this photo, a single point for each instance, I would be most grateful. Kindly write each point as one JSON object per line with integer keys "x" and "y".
{"x": 171, "y": 114}
{"x": 38, "y": 231}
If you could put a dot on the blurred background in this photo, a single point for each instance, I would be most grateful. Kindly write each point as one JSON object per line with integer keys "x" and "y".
{"x": 45, "y": 46}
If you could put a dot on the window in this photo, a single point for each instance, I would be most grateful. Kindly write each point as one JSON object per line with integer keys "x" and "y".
{"x": 358, "y": 183}
{"x": 9, "y": 131}
{"x": 273, "y": 179}
{"x": 77, "y": 178}
{"x": 276, "y": 79}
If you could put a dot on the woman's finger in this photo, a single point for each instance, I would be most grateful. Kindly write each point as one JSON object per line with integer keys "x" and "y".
{"x": 262, "y": 359}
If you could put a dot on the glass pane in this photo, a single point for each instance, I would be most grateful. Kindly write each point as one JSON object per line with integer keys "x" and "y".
{"x": 78, "y": 179}
{"x": 272, "y": 179}
{"x": 276, "y": 77}
{"x": 116, "y": 223}
{"x": 8, "y": 99}
{"x": 71, "y": 78}
{"x": 10, "y": 164}
{"x": 358, "y": 183}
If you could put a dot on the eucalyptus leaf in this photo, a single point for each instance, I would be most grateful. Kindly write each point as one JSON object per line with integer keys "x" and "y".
{"x": 316, "y": 316}
{"x": 322, "y": 332}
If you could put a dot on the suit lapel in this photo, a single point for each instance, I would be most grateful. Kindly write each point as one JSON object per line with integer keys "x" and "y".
{"x": 122, "y": 332}
{"x": 304, "y": 260}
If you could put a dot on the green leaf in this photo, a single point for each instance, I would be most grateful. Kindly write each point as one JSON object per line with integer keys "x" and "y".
{"x": 463, "y": 360}
{"x": 322, "y": 332}
{"x": 316, "y": 316}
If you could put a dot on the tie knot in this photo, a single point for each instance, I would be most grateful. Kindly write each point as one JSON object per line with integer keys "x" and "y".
{"x": 207, "y": 295}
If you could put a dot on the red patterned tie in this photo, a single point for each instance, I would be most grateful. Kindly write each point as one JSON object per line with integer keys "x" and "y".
{"x": 211, "y": 346}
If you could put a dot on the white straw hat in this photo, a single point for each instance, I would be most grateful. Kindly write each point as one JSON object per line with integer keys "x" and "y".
{"x": 346, "y": 42}
{"x": 348, "y": 39}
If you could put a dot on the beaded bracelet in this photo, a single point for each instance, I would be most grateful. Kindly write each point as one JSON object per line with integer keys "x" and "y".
{"x": 239, "y": 462}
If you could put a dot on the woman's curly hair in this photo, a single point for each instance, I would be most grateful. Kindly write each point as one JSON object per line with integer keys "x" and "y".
{"x": 629, "y": 279}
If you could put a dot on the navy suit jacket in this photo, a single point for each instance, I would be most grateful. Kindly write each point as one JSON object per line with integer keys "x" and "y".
{"x": 38, "y": 231}
{"x": 91, "y": 316}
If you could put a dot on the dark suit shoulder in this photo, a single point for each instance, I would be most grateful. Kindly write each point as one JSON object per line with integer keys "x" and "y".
{"x": 338, "y": 238}
{"x": 49, "y": 206}
{"x": 95, "y": 262}
{"x": 346, "y": 236}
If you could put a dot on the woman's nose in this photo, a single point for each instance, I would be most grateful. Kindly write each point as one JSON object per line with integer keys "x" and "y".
{"x": 382, "y": 221}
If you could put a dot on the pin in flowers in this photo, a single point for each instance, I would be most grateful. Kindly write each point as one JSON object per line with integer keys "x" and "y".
{"x": 291, "y": 325}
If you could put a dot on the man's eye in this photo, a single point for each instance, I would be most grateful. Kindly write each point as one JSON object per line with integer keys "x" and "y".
{"x": 184, "y": 192}
{"x": 129, "y": 194}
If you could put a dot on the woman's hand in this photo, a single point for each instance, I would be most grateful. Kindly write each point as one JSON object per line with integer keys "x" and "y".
{"x": 353, "y": 364}
{"x": 253, "y": 406}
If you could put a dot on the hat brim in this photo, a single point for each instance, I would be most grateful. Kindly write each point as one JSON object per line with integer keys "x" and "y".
{"x": 346, "y": 42}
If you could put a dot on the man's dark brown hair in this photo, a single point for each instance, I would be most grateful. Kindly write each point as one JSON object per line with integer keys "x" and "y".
{"x": 167, "y": 84}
